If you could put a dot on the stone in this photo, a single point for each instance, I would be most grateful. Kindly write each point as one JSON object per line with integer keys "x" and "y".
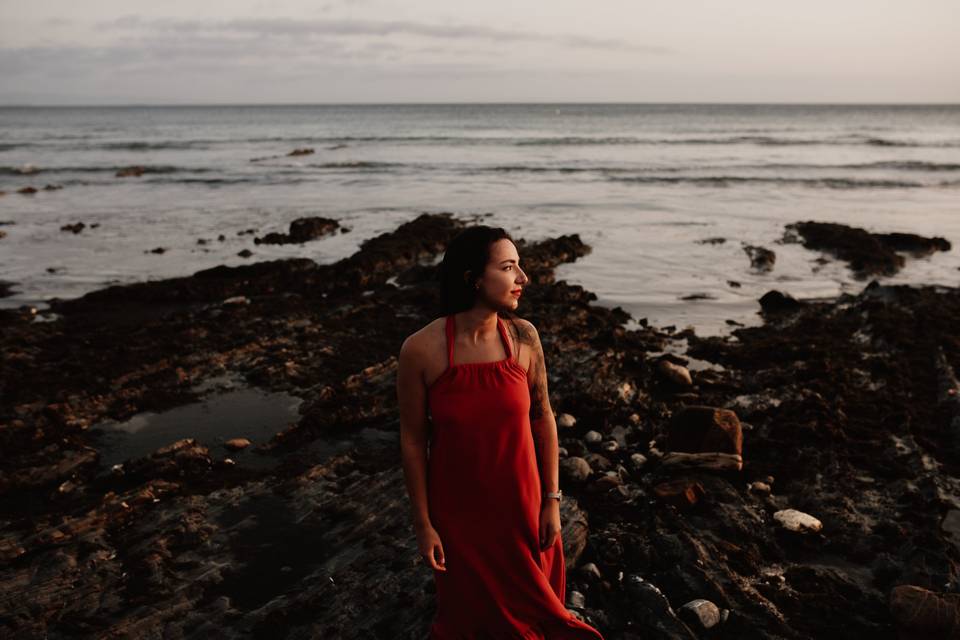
{"x": 793, "y": 520}
{"x": 301, "y": 230}
{"x": 77, "y": 227}
{"x": 681, "y": 493}
{"x": 703, "y": 429}
{"x": 609, "y": 446}
{"x": 638, "y": 460}
{"x": 759, "y": 487}
{"x": 920, "y": 613}
{"x": 565, "y": 421}
{"x": 776, "y": 302}
{"x": 236, "y": 444}
{"x": 700, "y": 614}
{"x": 591, "y": 572}
{"x": 576, "y": 600}
{"x": 610, "y": 480}
{"x": 575, "y": 469}
{"x": 675, "y": 373}
{"x": 598, "y": 462}
{"x": 649, "y": 595}
{"x": 619, "y": 435}
{"x": 761, "y": 258}
{"x": 592, "y": 437}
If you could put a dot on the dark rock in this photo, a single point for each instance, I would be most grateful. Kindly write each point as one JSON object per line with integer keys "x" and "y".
{"x": 76, "y": 227}
{"x": 302, "y": 230}
{"x": 761, "y": 258}
{"x": 921, "y": 613}
{"x": 700, "y": 614}
{"x": 776, "y": 302}
{"x": 575, "y": 470}
{"x": 699, "y": 429}
{"x": 866, "y": 253}
{"x": 301, "y": 152}
{"x": 128, "y": 172}
{"x": 681, "y": 493}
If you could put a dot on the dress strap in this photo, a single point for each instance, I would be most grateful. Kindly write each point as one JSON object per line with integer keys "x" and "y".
{"x": 503, "y": 335}
{"x": 450, "y": 330}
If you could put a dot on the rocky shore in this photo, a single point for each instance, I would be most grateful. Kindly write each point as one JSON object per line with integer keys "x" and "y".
{"x": 793, "y": 480}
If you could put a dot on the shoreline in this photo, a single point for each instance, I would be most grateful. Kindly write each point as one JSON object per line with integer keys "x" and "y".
{"x": 845, "y": 403}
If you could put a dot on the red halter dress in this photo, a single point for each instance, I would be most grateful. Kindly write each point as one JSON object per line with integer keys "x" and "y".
{"x": 484, "y": 499}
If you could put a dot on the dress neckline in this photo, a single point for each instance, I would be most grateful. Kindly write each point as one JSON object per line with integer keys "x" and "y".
{"x": 449, "y": 330}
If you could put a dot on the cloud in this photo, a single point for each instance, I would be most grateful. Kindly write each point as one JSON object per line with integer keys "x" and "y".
{"x": 289, "y": 27}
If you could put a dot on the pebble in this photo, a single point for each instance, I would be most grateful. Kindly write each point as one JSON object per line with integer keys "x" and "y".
{"x": 592, "y": 437}
{"x": 638, "y": 460}
{"x": 591, "y": 572}
{"x": 649, "y": 595}
{"x": 700, "y": 614}
{"x": 565, "y": 421}
{"x": 235, "y": 444}
{"x": 575, "y": 600}
{"x": 675, "y": 373}
{"x": 798, "y": 521}
{"x": 759, "y": 487}
{"x": 610, "y": 445}
{"x": 575, "y": 469}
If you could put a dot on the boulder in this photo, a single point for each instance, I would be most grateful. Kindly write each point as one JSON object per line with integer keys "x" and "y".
{"x": 921, "y": 613}
{"x": 699, "y": 429}
{"x": 680, "y": 493}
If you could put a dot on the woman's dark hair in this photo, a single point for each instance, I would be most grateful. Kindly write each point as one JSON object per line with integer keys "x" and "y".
{"x": 468, "y": 252}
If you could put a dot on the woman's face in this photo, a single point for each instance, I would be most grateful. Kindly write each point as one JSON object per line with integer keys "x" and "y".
{"x": 503, "y": 279}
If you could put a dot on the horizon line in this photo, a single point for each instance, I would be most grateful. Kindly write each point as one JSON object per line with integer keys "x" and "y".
{"x": 461, "y": 103}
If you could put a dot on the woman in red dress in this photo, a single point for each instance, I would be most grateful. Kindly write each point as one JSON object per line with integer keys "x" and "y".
{"x": 475, "y": 417}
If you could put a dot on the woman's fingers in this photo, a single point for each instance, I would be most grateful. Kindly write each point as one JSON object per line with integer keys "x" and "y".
{"x": 435, "y": 558}
{"x": 437, "y": 563}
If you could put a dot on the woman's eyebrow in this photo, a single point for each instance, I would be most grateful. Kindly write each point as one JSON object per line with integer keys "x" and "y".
{"x": 509, "y": 260}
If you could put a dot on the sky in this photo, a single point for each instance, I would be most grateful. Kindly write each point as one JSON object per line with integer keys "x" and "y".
{"x": 100, "y": 52}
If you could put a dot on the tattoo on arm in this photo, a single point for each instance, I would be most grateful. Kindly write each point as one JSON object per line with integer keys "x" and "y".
{"x": 536, "y": 374}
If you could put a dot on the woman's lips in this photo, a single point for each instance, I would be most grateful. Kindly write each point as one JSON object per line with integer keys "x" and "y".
{"x": 517, "y": 292}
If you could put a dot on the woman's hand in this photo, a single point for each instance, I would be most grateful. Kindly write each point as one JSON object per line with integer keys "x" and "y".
{"x": 428, "y": 543}
{"x": 549, "y": 523}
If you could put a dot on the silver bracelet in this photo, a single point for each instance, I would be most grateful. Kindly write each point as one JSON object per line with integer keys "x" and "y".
{"x": 558, "y": 494}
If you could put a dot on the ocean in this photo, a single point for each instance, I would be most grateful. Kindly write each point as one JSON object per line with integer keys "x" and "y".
{"x": 641, "y": 184}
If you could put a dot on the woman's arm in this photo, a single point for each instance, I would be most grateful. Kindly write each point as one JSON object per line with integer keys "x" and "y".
{"x": 411, "y": 396}
{"x": 542, "y": 422}
{"x": 544, "y": 428}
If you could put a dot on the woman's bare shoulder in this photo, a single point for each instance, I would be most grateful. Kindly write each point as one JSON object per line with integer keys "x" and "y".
{"x": 421, "y": 340}
{"x": 525, "y": 331}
